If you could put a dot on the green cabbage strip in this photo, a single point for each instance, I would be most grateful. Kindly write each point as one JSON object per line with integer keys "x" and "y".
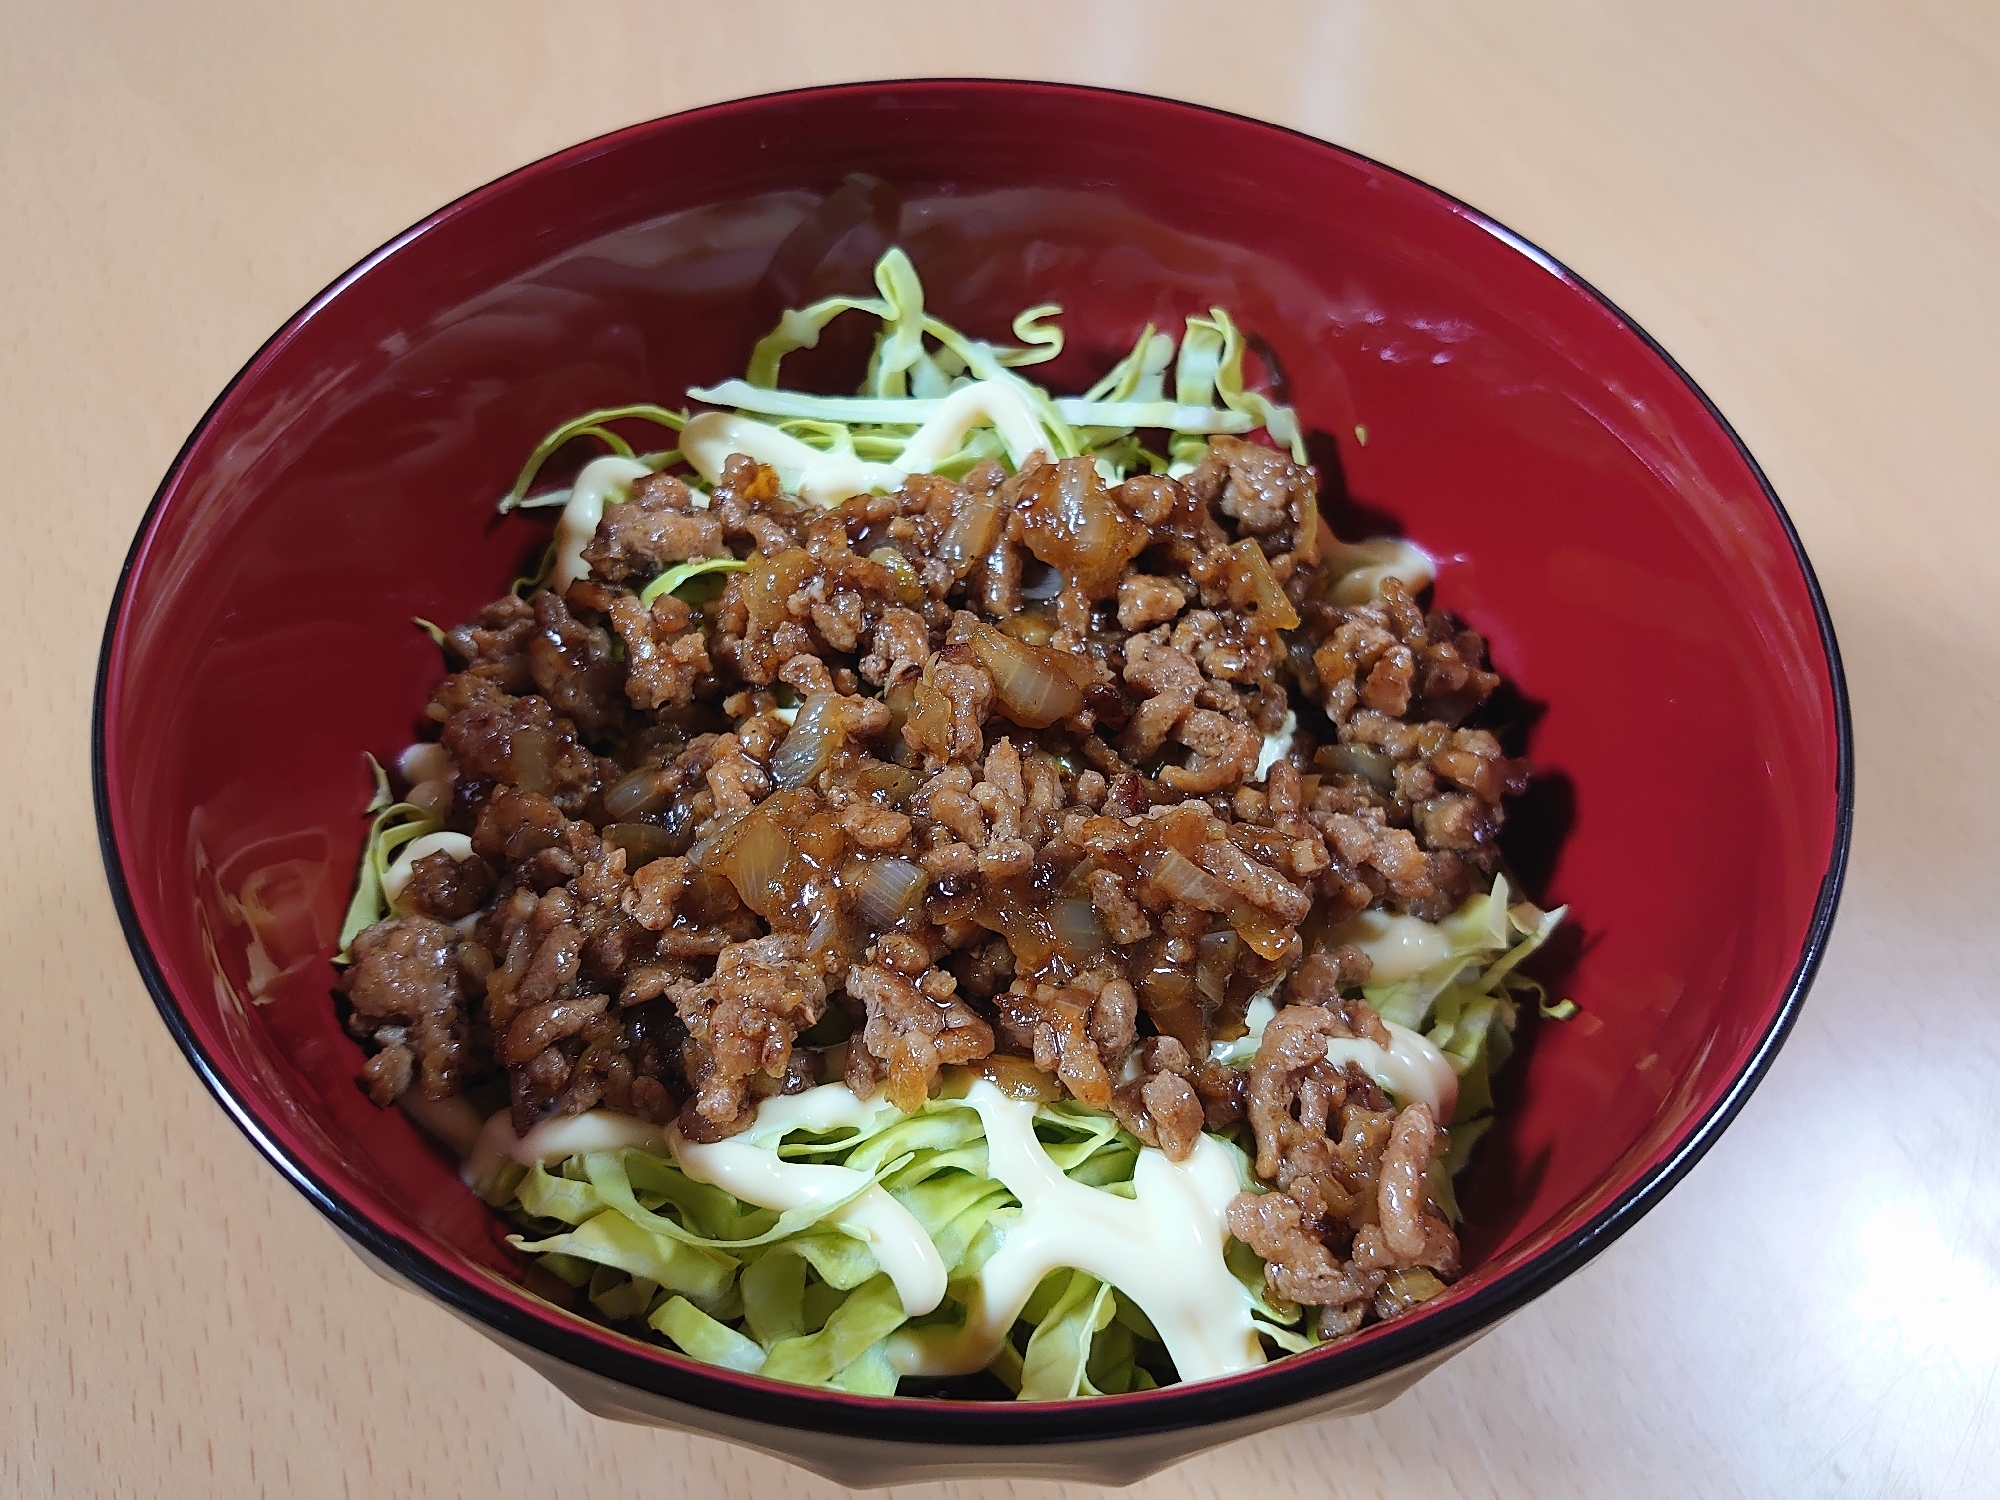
{"x": 1140, "y": 375}
{"x": 1280, "y": 421}
{"x": 610, "y": 1239}
{"x": 796, "y": 1297}
{"x": 1056, "y": 1364}
{"x": 681, "y": 574}
{"x": 703, "y": 1337}
{"x": 591, "y": 424}
{"x": 383, "y": 796}
{"x": 919, "y": 359}
{"x": 800, "y": 328}
{"x": 394, "y": 825}
{"x": 530, "y": 584}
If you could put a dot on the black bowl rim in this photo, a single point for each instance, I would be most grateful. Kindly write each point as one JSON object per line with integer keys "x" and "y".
{"x": 1281, "y": 1385}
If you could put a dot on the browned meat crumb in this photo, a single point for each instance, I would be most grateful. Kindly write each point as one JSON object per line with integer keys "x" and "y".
{"x": 913, "y": 1030}
{"x": 656, "y": 527}
{"x": 1160, "y": 1105}
{"x": 741, "y": 1022}
{"x": 405, "y": 981}
{"x": 1258, "y": 487}
{"x": 1144, "y": 602}
{"x": 656, "y": 887}
{"x": 1403, "y": 1194}
{"x": 388, "y": 1073}
{"x": 522, "y": 742}
{"x": 572, "y": 664}
{"x": 1298, "y": 1265}
{"x": 494, "y": 644}
{"x": 447, "y": 888}
{"x": 664, "y": 659}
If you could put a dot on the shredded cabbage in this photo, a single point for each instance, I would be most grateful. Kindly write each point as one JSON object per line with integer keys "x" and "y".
{"x": 797, "y": 1296}
{"x": 1056, "y": 1364}
{"x": 592, "y": 424}
{"x": 919, "y": 362}
{"x": 681, "y": 574}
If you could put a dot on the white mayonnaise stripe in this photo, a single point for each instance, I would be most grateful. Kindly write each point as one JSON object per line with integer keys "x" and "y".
{"x": 830, "y": 1107}
{"x": 1408, "y": 1069}
{"x": 1398, "y": 946}
{"x": 756, "y": 1175}
{"x": 821, "y": 478}
{"x": 983, "y": 403}
{"x": 748, "y": 1166}
{"x": 829, "y": 478}
{"x": 601, "y": 480}
{"x": 425, "y": 760}
{"x": 554, "y": 1140}
{"x": 1162, "y": 1248}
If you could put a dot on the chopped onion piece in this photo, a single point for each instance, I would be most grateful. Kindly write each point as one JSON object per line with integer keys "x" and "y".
{"x": 1180, "y": 879}
{"x": 890, "y": 892}
{"x": 808, "y": 745}
{"x": 1031, "y": 683}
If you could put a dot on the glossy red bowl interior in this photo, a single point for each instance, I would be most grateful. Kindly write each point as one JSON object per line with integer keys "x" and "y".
{"x": 1678, "y": 687}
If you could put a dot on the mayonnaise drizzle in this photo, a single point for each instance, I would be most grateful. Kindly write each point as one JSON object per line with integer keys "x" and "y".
{"x": 396, "y": 879}
{"x": 1162, "y": 1248}
{"x": 748, "y": 1166}
{"x": 1398, "y": 946}
{"x": 829, "y": 478}
{"x": 1360, "y": 568}
{"x": 1408, "y": 1069}
{"x": 575, "y": 1135}
{"x": 820, "y": 478}
{"x": 993, "y": 403}
{"x": 555, "y": 1139}
{"x": 601, "y": 479}
{"x": 426, "y": 760}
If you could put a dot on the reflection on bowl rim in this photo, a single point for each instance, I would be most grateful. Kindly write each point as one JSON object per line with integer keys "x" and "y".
{"x": 1265, "y": 1392}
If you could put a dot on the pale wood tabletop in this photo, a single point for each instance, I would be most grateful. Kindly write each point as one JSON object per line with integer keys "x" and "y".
{"x": 1801, "y": 202}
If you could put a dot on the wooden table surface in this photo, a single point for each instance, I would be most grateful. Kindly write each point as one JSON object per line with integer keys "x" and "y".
{"x": 1801, "y": 202}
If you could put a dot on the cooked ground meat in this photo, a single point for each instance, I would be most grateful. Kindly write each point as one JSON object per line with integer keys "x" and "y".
{"x": 657, "y": 526}
{"x": 1015, "y": 819}
{"x": 447, "y": 888}
{"x": 406, "y": 988}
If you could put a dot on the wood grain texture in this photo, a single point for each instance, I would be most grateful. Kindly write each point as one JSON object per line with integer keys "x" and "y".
{"x": 1802, "y": 202}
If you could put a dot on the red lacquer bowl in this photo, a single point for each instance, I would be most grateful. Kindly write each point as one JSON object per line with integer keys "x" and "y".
{"x": 1678, "y": 688}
